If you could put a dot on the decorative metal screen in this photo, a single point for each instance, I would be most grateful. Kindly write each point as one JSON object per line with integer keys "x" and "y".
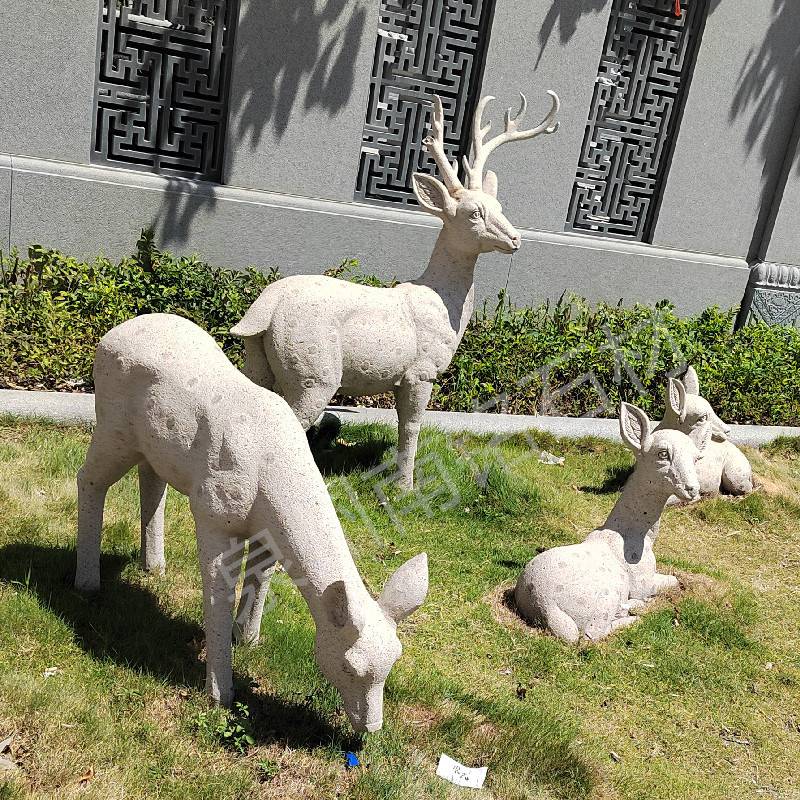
{"x": 424, "y": 47}
{"x": 643, "y": 77}
{"x": 162, "y": 83}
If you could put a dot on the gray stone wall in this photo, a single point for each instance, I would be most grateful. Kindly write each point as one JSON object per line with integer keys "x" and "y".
{"x": 47, "y": 73}
{"x": 5, "y": 203}
{"x": 297, "y": 103}
{"x": 298, "y": 94}
{"x": 551, "y": 45}
{"x": 735, "y": 128}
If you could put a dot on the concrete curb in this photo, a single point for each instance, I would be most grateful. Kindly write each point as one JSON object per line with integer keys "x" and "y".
{"x": 66, "y": 408}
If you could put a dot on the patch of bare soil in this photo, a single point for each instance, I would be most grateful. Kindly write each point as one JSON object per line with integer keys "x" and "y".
{"x": 504, "y": 609}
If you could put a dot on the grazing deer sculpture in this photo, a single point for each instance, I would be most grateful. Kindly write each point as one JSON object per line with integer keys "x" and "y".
{"x": 724, "y": 467}
{"x": 309, "y": 336}
{"x": 589, "y": 589}
{"x": 169, "y": 400}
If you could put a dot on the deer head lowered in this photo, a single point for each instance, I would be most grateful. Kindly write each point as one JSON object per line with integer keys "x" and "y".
{"x": 473, "y": 211}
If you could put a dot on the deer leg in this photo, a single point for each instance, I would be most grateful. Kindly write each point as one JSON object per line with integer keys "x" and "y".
{"x": 152, "y": 499}
{"x": 561, "y": 624}
{"x": 737, "y": 475}
{"x": 256, "y": 366}
{"x": 663, "y": 583}
{"x": 411, "y": 399}
{"x": 103, "y": 467}
{"x": 219, "y": 573}
{"x": 257, "y": 577}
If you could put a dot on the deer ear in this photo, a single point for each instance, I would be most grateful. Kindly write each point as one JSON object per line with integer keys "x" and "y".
{"x": 691, "y": 381}
{"x": 634, "y": 427}
{"x": 406, "y": 590}
{"x": 432, "y": 195}
{"x": 341, "y": 610}
{"x": 676, "y": 397}
{"x": 490, "y": 183}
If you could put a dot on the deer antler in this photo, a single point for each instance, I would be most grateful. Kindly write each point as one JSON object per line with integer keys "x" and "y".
{"x": 434, "y": 144}
{"x": 481, "y": 150}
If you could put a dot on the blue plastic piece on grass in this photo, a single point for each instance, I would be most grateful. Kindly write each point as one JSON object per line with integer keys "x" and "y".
{"x": 352, "y": 760}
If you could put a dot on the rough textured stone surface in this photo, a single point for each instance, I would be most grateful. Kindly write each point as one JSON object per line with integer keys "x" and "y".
{"x": 723, "y": 467}
{"x": 309, "y": 336}
{"x": 170, "y": 401}
{"x": 589, "y": 589}
{"x": 37, "y": 95}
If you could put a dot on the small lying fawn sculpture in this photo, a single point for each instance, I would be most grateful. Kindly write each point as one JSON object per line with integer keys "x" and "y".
{"x": 308, "y": 336}
{"x": 170, "y": 401}
{"x": 724, "y": 467}
{"x": 589, "y": 589}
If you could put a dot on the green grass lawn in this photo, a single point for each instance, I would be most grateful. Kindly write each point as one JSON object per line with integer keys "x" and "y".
{"x": 700, "y": 699}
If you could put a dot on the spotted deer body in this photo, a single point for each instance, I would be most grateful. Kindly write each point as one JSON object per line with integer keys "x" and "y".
{"x": 309, "y": 336}
{"x": 169, "y": 401}
{"x": 588, "y": 590}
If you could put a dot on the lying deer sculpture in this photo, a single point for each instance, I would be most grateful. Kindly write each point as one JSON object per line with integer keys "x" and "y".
{"x": 309, "y": 336}
{"x": 724, "y": 467}
{"x": 170, "y": 401}
{"x": 589, "y": 589}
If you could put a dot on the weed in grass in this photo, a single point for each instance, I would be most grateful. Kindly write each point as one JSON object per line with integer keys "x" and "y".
{"x": 267, "y": 769}
{"x": 230, "y": 728}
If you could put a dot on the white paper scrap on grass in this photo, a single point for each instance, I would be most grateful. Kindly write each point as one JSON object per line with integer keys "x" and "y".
{"x": 460, "y": 775}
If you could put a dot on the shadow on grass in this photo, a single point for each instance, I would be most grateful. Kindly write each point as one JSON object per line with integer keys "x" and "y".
{"x": 126, "y": 624}
{"x": 353, "y": 449}
{"x": 613, "y": 482}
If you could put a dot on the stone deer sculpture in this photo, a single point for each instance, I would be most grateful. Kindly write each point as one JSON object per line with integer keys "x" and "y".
{"x": 169, "y": 401}
{"x": 724, "y": 467}
{"x": 589, "y": 589}
{"x": 309, "y": 336}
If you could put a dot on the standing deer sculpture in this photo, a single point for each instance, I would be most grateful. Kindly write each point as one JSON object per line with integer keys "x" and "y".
{"x": 309, "y": 336}
{"x": 169, "y": 401}
{"x": 724, "y": 467}
{"x": 589, "y": 589}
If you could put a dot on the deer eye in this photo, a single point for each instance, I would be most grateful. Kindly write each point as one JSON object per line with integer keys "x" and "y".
{"x": 477, "y": 214}
{"x": 702, "y": 418}
{"x": 663, "y": 454}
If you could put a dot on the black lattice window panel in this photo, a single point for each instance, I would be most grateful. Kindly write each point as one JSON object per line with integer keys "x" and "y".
{"x": 424, "y": 47}
{"x": 644, "y": 74}
{"x": 163, "y": 69}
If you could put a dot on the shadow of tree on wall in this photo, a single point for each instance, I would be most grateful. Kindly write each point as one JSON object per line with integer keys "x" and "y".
{"x": 297, "y": 55}
{"x": 769, "y": 92}
{"x": 180, "y": 207}
{"x": 567, "y": 14}
{"x": 289, "y": 43}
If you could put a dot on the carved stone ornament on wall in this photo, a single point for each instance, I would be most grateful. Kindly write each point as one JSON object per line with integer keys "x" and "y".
{"x": 424, "y": 47}
{"x": 642, "y": 80}
{"x": 161, "y": 94}
{"x": 772, "y": 296}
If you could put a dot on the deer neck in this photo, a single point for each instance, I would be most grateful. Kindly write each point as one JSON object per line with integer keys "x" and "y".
{"x": 315, "y": 554}
{"x": 451, "y": 274}
{"x": 637, "y": 513}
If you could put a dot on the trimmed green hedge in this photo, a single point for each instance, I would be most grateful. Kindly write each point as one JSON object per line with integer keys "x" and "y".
{"x": 566, "y": 358}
